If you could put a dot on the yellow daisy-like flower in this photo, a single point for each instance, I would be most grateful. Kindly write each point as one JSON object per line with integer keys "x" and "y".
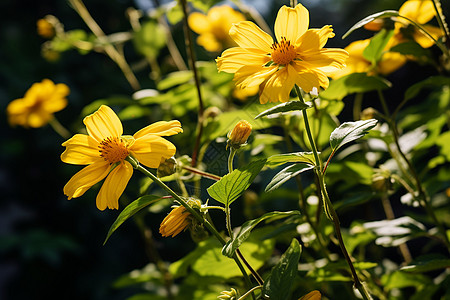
{"x": 421, "y": 12}
{"x": 213, "y": 28}
{"x": 298, "y": 56}
{"x": 104, "y": 150}
{"x": 38, "y": 105}
{"x": 356, "y": 63}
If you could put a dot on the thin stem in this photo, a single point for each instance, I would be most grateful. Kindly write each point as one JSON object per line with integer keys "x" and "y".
{"x": 357, "y": 106}
{"x": 254, "y": 14}
{"x": 441, "y": 20}
{"x": 110, "y": 50}
{"x": 201, "y": 173}
{"x": 308, "y": 130}
{"x": 192, "y": 59}
{"x": 59, "y": 128}
{"x": 253, "y": 271}
{"x": 250, "y": 291}
{"x": 192, "y": 211}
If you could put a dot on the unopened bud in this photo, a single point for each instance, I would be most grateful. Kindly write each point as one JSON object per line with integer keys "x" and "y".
{"x": 369, "y": 113}
{"x": 239, "y": 135}
{"x": 229, "y": 295}
{"x": 167, "y": 167}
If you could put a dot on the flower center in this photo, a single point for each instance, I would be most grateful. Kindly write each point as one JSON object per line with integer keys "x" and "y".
{"x": 113, "y": 149}
{"x": 283, "y": 52}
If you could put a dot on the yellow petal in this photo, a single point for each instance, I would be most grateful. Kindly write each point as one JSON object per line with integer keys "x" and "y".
{"x": 235, "y": 58}
{"x": 161, "y": 128}
{"x": 247, "y": 35}
{"x": 313, "y": 40}
{"x": 327, "y": 57}
{"x": 38, "y": 118}
{"x": 307, "y": 81}
{"x": 424, "y": 40}
{"x": 390, "y": 62}
{"x": 56, "y": 100}
{"x": 198, "y": 22}
{"x": 249, "y": 76}
{"x": 81, "y": 149}
{"x": 209, "y": 42}
{"x": 420, "y": 11}
{"x": 103, "y": 123}
{"x": 314, "y": 295}
{"x": 291, "y": 23}
{"x": 279, "y": 85}
{"x": 84, "y": 179}
{"x": 114, "y": 186}
{"x": 150, "y": 149}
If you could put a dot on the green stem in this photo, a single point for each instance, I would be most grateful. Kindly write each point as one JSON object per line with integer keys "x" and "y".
{"x": 441, "y": 20}
{"x": 192, "y": 211}
{"x": 59, "y": 128}
{"x": 250, "y": 291}
{"x": 329, "y": 206}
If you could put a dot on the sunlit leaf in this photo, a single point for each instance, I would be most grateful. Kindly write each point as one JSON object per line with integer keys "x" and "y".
{"x": 430, "y": 82}
{"x": 286, "y": 174}
{"x": 354, "y": 83}
{"x": 296, "y": 157}
{"x": 231, "y": 186}
{"x": 246, "y": 228}
{"x": 374, "y": 51}
{"x": 399, "y": 279}
{"x": 149, "y": 39}
{"x": 368, "y": 19}
{"x": 284, "y": 107}
{"x": 130, "y": 210}
{"x": 427, "y": 264}
{"x": 349, "y": 132}
{"x": 174, "y": 79}
{"x": 279, "y": 283}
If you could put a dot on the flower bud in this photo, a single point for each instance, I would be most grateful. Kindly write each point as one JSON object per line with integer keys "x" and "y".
{"x": 239, "y": 135}
{"x": 229, "y": 295}
{"x": 167, "y": 167}
{"x": 178, "y": 219}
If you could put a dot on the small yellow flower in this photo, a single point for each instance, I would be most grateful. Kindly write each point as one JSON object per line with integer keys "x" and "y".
{"x": 38, "y": 105}
{"x": 104, "y": 150}
{"x": 178, "y": 219}
{"x": 297, "y": 57}
{"x": 45, "y": 28}
{"x": 213, "y": 28}
{"x": 239, "y": 135}
{"x": 421, "y": 12}
{"x": 356, "y": 63}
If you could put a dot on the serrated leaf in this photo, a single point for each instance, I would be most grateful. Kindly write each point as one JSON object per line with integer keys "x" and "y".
{"x": 244, "y": 232}
{"x": 354, "y": 83}
{"x": 296, "y": 157}
{"x": 368, "y": 19}
{"x": 284, "y": 107}
{"x": 279, "y": 283}
{"x": 286, "y": 174}
{"x": 349, "y": 132}
{"x": 231, "y": 186}
{"x": 130, "y": 210}
{"x": 374, "y": 51}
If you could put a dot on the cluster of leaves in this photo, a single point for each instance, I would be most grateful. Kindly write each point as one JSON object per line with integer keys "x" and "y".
{"x": 391, "y": 186}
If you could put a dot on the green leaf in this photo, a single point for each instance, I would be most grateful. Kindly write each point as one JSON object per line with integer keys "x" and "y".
{"x": 230, "y": 186}
{"x": 296, "y": 157}
{"x": 368, "y": 19}
{"x": 374, "y": 51}
{"x": 399, "y": 279}
{"x": 130, "y": 210}
{"x": 411, "y": 48}
{"x": 349, "y": 132}
{"x": 354, "y": 83}
{"x": 427, "y": 264}
{"x": 279, "y": 283}
{"x": 430, "y": 82}
{"x": 149, "y": 39}
{"x": 244, "y": 232}
{"x": 284, "y": 107}
{"x": 174, "y": 79}
{"x": 286, "y": 174}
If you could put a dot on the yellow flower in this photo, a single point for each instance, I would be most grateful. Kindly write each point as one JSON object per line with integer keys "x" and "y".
{"x": 213, "y": 28}
{"x": 178, "y": 219}
{"x": 104, "y": 150}
{"x": 36, "y": 108}
{"x": 298, "y": 56}
{"x": 45, "y": 28}
{"x": 421, "y": 12}
{"x": 356, "y": 63}
{"x": 239, "y": 135}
